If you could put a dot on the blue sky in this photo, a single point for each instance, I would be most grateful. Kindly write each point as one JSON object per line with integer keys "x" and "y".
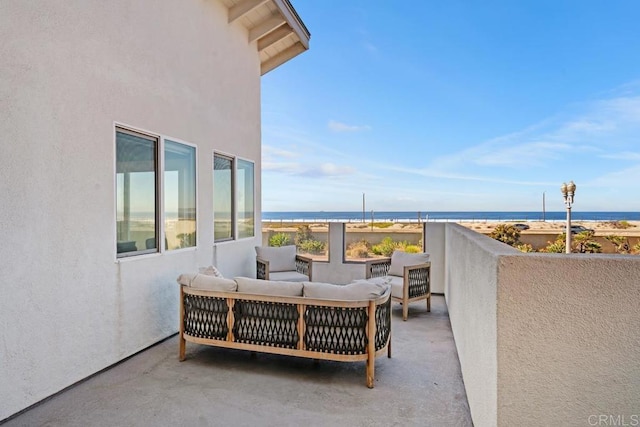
{"x": 456, "y": 105}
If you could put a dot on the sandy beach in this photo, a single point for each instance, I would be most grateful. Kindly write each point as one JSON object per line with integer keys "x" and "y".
{"x": 601, "y": 228}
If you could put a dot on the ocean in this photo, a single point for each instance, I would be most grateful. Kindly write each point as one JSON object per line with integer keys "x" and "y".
{"x": 453, "y": 216}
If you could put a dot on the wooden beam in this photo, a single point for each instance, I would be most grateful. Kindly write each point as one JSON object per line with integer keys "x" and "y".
{"x": 273, "y": 37}
{"x": 241, "y": 9}
{"x": 281, "y": 58}
{"x": 266, "y": 27}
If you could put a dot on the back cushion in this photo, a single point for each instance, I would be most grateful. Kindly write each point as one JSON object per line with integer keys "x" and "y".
{"x": 213, "y": 283}
{"x": 205, "y": 281}
{"x": 281, "y": 258}
{"x": 357, "y": 291}
{"x": 269, "y": 287}
{"x": 400, "y": 259}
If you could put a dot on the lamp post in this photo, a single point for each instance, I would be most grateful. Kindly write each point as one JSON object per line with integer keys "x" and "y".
{"x": 568, "y": 191}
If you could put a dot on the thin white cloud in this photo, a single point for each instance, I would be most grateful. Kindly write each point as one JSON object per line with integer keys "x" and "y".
{"x": 270, "y": 151}
{"x": 336, "y": 126}
{"x": 624, "y": 155}
{"x": 327, "y": 170}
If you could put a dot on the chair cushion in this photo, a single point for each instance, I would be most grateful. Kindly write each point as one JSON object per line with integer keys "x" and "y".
{"x": 288, "y": 276}
{"x": 269, "y": 287}
{"x": 356, "y": 291}
{"x": 281, "y": 258}
{"x": 400, "y": 260}
{"x": 396, "y": 283}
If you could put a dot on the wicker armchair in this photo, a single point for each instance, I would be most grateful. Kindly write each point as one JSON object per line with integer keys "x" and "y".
{"x": 282, "y": 263}
{"x": 414, "y": 284}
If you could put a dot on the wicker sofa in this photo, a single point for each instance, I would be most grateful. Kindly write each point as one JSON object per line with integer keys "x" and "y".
{"x": 311, "y": 320}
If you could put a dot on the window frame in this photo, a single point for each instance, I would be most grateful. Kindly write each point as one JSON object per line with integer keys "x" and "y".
{"x": 160, "y": 217}
{"x": 234, "y": 197}
{"x": 232, "y": 159}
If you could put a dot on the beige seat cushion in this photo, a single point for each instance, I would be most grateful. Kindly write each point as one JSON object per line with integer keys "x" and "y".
{"x": 400, "y": 260}
{"x": 282, "y": 258}
{"x": 356, "y": 291}
{"x": 269, "y": 287}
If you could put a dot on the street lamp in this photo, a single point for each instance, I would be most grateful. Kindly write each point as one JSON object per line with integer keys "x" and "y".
{"x": 568, "y": 191}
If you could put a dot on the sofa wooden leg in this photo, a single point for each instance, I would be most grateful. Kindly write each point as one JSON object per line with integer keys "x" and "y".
{"x": 181, "y": 354}
{"x": 429, "y": 303}
{"x": 405, "y": 311}
{"x": 371, "y": 367}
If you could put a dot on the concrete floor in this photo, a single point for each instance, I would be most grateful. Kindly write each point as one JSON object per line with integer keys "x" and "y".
{"x": 420, "y": 385}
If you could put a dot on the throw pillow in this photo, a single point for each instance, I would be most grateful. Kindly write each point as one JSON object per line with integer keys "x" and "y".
{"x": 281, "y": 258}
{"x": 400, "y": 259}
{"x": 211, "y": 271}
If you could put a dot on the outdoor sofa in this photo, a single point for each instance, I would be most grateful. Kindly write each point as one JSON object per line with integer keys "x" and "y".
{"x": 312, "y": 320}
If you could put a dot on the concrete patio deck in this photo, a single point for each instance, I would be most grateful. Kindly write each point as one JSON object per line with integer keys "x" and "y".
{"x": 420, "y": 385}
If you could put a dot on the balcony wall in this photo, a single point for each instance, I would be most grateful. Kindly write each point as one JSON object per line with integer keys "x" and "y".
{"x": 543, "y": 339}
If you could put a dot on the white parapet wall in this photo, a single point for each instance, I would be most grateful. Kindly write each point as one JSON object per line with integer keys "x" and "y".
{"x": 543, "y": 339}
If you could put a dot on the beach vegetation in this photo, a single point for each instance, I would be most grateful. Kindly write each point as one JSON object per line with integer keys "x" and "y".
{"x": 306, "y": 243}
{"x": 636, "y": 248}
{"x": 621, "y": 225}
{"x": 311, "y": 246}
{"x": 359, "y": 249}
{"x": 413, "y": 249}
{"x": 381, "y": 224}
{"x": 621, "y": 244}
{"x": 583, "y": 243}
{"x": 506, "y": 233}
{"x": 524, "y": 247}
{"x": 279, "y": 239}
{"x": 387, "y": 246}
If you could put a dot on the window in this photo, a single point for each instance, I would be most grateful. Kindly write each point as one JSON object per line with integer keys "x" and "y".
{"x": 245, "y": 199}
{"x": 142, "y": 215}
{"x": 233, "y": 198}
{"x": 179, "y": 195}
{"x": 222, "y": 198}
{"x": 136, "y": 193}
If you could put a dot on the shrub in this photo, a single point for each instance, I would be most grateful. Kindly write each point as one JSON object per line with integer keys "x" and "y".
{"x": 279, "y": 239}
{"x": 303, "y": 234}
{"x": 386, "y": 247}
{"x": 584, "y": 243}
{"x": 623, "y": 225}
{"x": 413, "y": 249}
{"x": 311, "y": 246}
{"x": 636, "y": 248}
{"x": 620, "y": 244}
{"x": 506, "y": 233}
{"x": 382, "y": 224}
{"x": 524, "y": 247}
{"x": 359, "y": 249}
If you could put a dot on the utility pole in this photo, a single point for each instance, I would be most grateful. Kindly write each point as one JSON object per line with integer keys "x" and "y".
{"x": 543, "y": 209}
{"x": 363, "y": 215}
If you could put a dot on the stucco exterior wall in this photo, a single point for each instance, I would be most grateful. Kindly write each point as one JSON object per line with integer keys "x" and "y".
{"x": 543, "y": 339}
{"x": 70, "y": 70}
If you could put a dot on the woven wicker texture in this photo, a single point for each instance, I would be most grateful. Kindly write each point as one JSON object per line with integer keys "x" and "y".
{"x": 266, "y": 323}
{"x": 419, "y": 282}
{"x": 383, "y": 324}
{"x": 205, "y": 317}
{"x": 336, "y": 330}
{"x": 380, "y": 269}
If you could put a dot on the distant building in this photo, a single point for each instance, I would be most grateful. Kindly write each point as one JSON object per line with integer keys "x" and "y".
{"x": 130, "y": 153}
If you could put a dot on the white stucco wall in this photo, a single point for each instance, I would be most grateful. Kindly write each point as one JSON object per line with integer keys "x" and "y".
{"x": 69, "y": 71}
{"x": 543, "y": 339}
